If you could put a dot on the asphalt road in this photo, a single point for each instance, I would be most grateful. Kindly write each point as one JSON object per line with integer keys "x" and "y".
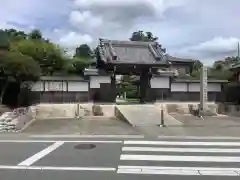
{"x": 119, "y": 158}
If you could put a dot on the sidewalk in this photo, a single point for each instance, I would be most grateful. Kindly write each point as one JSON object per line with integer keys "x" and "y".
{"x": 190, "y": 131}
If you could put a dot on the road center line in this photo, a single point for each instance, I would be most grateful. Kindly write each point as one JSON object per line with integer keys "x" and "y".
{"x": 29, "y": 161}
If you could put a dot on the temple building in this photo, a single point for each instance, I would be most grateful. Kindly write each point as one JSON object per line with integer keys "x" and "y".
{"x": 157, "y": 76}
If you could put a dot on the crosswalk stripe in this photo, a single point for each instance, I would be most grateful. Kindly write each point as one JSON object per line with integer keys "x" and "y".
{"x": 201, "y": 137}
{"x": 156, "y": 154}
{"x": 178, "y": 172}
{"x": 181, "y": 168}
{"x": 180, "y": 158}
{"x": 163, "y": 149}
{"x": 182, "y": 143}
{"x": 158, "y": 172}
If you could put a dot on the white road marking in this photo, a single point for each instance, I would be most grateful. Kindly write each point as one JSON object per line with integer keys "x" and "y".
{"x": 183, "y": 143}
{"x": 200, "y": 137}
{"x": 219, "y": 173}
{"x": 180, "y": 158}
{"x": 178, "y": 172}
{"x": 177, "y": 168}
{"x": 160, "y": 172}
{"x": 89, "y": 136}
{"x": 52, "y": 141}
{"x": 59, "y": 168}
{"x": 29, "y": 161}
{"x": 166, "y": 149}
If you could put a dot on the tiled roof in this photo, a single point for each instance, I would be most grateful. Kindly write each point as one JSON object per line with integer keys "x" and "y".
{"x": 197, "y": 81}
{"x": 235, "y": 66}
{"x": 175, "y": 59}
{"x": 131, "y": 52}
{"x": 61, "y": 78}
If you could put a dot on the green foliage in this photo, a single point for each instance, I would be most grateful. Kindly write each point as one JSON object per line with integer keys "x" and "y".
{"x": 143, "y": 36}
{"x": 83, "y": 51}
{"x": 20, "y": 67}
{"x": 4, "y": 40}
{"x": 35, "y": 34}
{"x": 15, "y": 35}
{"x": 77, "y": 65}
{"x": 220, "y": 74}
{"x": 126, "y": 85}
{"x": 50, "y": 56}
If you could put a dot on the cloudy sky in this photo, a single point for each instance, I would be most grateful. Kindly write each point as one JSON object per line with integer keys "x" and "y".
{"x": 207, "y": 30}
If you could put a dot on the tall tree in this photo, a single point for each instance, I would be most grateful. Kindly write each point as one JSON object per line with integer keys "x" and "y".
{"x": 50, "y": 56}
{"x": 83, "y": 51}
{"x": 197, "y": 65}
{"x": 35, "y": 34}
{"x": 19, "y": 68}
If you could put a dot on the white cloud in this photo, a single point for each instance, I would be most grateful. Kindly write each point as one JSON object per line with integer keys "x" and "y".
{"x": 72, "y": 39}
{"x": 211, "y": 50}
{"x": 158, "y": 7}
{"x": 5, "y": 25}
{"x": 217, "y": 45}
{"x": 188, "y": 28}
{"x": 85, "y": 18}
{"x": 126, "y": 11}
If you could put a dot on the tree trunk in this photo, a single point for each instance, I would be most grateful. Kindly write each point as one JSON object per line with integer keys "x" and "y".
{"x": 3, "y": 92}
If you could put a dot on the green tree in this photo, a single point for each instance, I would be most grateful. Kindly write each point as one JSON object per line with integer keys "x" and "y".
{"x": 18, "y": 68}
{"x": 77, "y": 66}
{"x": 35, "y": 34}
{"x": 197, "y": 65}
{"x": 143, "y": 36}
{"x": 15, "y": 35}
{"x": 50, "y": 56}
{"x": 83, "y": 51}
{"x": 4, "y": 41}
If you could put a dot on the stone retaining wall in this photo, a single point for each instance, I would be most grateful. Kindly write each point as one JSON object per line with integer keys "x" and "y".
{"x": 16, "y": 120}
{"x": 55, "y": 111}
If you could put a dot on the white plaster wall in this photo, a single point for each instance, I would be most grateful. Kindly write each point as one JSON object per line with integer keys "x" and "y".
{"x": 38, "y": 86}
{"x": 194, "y": 87}
{"x": 95, "y": 81}
{"x": 55, "y": 86}
{"x": 78, "y": 86}
{"x": 214, "y": 87}
{"x": 160, "y": 82}
{"x": 179, "y": 87}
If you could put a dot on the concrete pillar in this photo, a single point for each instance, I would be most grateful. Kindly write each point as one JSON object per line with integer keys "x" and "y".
{"x": 203, "y": 90}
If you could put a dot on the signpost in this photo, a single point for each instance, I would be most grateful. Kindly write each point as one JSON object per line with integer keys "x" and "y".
{"x": 203, "y": 90}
